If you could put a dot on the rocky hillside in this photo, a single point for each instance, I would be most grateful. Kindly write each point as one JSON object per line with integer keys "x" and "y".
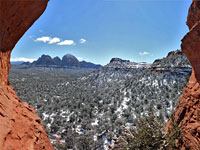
{"x": 174, "y": 62}
{"x": 119, "y": 70}
{"x": 116, "y": 71}
{"x": 92, "y": 108}
{"x": 67, "y": 61}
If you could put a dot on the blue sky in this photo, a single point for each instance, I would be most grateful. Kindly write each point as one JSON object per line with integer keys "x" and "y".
{"x": 98, "y": 30}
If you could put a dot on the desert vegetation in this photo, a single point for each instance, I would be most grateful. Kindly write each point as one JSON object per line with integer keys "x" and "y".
{"x": 81, "y": 109}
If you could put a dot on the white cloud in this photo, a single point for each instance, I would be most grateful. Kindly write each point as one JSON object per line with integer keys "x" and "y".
{"x": 48, "y": 39}
{"x": 144, "y": 53}
{"x": 43, "y": 39}
{"x": 82, "y": 41}
{"x": 22, "y": 59}
{"x": 67, "y": 42}
{"x": 54, "y": 40}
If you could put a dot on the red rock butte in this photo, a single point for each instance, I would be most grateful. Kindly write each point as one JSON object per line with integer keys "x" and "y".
{"x": 187, "y": 112}
{"x": 20, "y": 127}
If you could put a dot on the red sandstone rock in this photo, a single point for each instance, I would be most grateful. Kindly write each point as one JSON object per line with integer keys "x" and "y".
{"x": 20, "y": 127}
{"x": 187, "y": 112}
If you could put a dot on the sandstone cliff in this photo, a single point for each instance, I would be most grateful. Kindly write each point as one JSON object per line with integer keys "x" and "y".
{"x": 20, "y": 127}
{"x": 187, "y": 112}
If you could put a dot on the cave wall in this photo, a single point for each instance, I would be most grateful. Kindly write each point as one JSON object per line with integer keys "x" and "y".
{"x": 187, "y": 112}
{"x": 20, "y": 127}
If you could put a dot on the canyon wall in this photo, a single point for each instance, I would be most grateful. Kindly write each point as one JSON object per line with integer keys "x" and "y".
{"x": 187, "y": 112}
{"x": 20, "y": 127}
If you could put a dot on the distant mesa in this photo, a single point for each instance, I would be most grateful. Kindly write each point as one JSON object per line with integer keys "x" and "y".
{"x": 118, "y": 60}
{"x": 175, "y": 60}
{"x": 67, "y": 61}
{"x": 120, "y": 63}
{"x": 172, "y": 60}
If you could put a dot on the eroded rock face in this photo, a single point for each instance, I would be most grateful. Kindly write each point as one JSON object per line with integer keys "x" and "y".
{"x": 20, "y": 127}
{"x": 187, "y": 112}
{"x": 16, "y": 17}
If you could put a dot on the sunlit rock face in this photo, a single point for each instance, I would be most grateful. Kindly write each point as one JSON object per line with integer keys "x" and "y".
{"x": 187, "y": 112}
{"x": 20, "y": 127}
{"x": 191, "y": 41}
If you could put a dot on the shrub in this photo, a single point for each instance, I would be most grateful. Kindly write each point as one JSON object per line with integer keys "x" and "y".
{"x": 148, "y": 134}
